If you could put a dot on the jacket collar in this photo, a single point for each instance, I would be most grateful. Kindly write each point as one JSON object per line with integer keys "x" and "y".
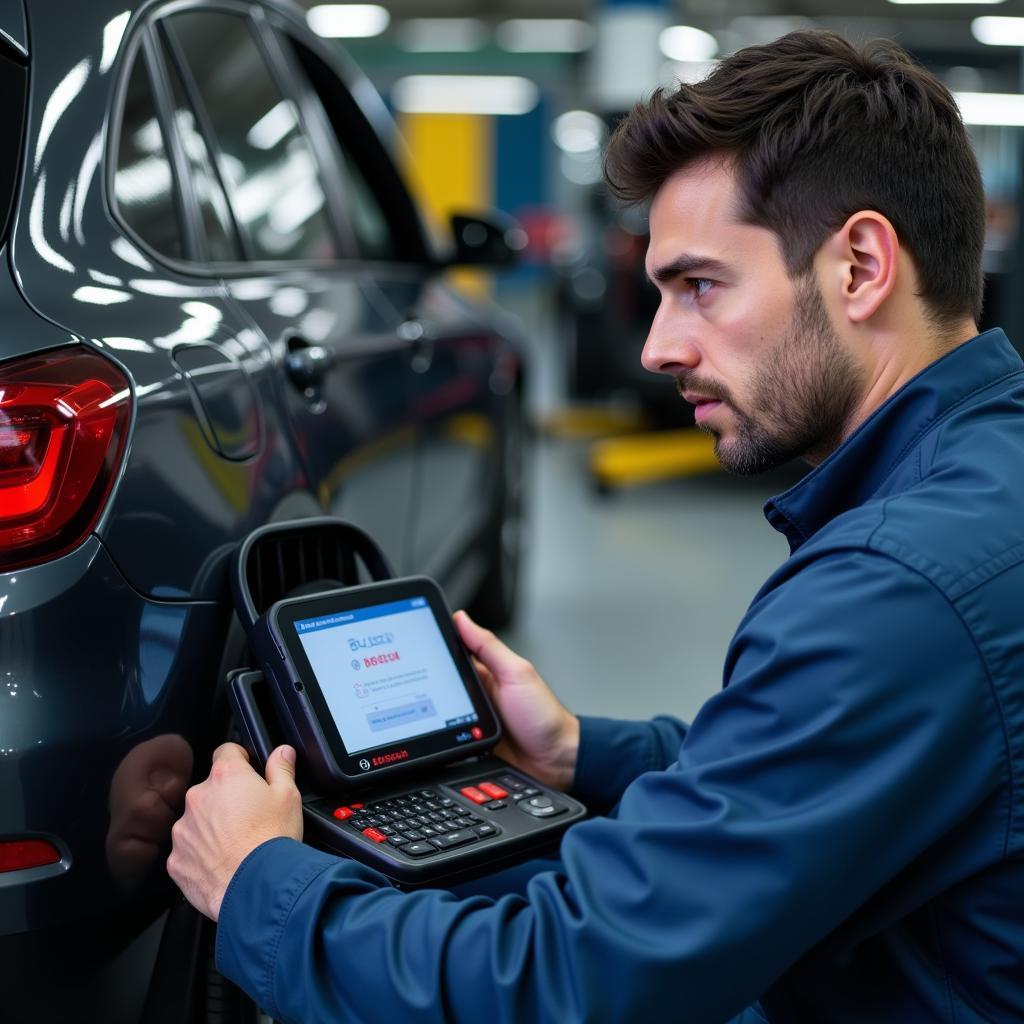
{"x": 860, "y": 465}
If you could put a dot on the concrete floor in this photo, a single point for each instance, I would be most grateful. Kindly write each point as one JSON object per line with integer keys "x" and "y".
{"x": 630, "y": 599}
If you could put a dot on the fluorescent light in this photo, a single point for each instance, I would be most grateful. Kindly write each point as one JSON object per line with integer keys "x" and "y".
{"x": 959, "y": 3}
{"x": 442, "y": 35}
{"x": 578, "y": 131}
{"x": 545, "y": 35}
{"x": 348, "y": 21}
{"x": 685, "y": 43}
{"x": 465, "y": 94}
{"x": 998, "y": 108}
{"x": 998, "y": 31}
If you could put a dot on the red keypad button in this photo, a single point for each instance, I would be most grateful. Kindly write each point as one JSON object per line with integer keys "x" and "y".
{"x": 493, "y": 790}
{"x": 474, "y": 794}
{"x": 377, "y": 837}
{"x": 356, "y": 807}
{"x": 343, "y": 813}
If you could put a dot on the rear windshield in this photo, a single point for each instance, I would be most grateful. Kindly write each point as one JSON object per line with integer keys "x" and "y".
{"x": 13, "y": 80}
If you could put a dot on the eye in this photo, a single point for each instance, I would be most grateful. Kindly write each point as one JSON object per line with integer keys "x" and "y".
{"x": 700, "y": 285}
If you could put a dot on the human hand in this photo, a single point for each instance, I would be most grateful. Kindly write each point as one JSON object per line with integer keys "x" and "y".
{"x": 227, "y": 817}
{"x": 541, "y": 735}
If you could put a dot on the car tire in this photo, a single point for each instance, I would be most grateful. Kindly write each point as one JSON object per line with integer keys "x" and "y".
{"x": 494, "y": 603}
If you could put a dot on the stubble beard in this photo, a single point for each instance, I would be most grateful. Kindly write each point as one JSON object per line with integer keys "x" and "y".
{"x": 801, "y": 396}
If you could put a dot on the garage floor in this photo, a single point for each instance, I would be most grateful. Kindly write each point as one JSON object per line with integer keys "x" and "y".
{"x": 630, "y": 599}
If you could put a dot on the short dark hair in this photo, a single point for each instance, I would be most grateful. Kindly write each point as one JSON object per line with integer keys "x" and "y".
{"x": 818, "y": 130}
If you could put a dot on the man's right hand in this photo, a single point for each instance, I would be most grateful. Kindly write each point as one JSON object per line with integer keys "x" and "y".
{"x": 541, "y": 736}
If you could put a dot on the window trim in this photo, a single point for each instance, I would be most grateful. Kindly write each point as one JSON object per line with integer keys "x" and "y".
{"x": 170, "y": 49}
{"x": 138, "y": 48}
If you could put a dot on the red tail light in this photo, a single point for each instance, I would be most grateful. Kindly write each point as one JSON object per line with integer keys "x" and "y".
{"x": 63, "y": 425}
{"x": 19, "y": 854}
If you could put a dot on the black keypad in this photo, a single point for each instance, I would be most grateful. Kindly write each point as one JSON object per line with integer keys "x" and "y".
{"x": 422, "y": 823}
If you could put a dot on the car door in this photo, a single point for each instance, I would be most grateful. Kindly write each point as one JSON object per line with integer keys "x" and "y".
{"x": 344, "y": 368}
{"x": 461, "y": 368}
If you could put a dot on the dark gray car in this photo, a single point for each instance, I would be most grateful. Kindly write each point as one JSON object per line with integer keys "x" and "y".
{"x": 218, "y": 309}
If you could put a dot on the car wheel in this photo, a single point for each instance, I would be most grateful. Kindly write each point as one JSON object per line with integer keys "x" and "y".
{"x": 495, "y": 602}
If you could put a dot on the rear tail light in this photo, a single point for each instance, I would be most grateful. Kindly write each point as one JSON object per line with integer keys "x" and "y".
{"x": 19, "y": 854}
{"x": 63, "y": 426}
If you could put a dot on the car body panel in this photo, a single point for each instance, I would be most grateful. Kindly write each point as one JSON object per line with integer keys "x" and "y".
{"x": 112, "y": 657}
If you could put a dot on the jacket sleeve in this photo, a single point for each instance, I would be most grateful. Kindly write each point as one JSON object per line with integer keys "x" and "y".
{"x": 614, "y": 753}
{"x": 855, "y": 696}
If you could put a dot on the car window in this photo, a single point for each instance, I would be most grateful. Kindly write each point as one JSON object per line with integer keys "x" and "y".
{"x": 143, "y": 183}
{"x": 379, "y": 208}
{"x": 221, "y": 239}
{"x": 13, "y": 78}
{"x": 265, "y": 160}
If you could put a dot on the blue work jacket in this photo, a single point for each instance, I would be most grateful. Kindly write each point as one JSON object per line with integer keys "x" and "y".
{"x": 836, "y": 838}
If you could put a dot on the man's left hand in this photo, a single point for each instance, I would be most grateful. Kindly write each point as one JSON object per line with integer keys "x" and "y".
{"x": 227, "y": 817}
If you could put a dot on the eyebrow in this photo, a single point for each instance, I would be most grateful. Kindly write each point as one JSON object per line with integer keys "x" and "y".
{"x": 685, "y": 264}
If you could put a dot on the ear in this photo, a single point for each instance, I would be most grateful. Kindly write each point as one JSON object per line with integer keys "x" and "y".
{"x": 866, "y": 254}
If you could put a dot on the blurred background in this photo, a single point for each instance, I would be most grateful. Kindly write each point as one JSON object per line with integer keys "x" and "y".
{"x": 642, "y": 556}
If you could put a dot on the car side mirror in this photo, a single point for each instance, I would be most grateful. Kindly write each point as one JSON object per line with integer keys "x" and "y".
{"x": 490, "y": 240}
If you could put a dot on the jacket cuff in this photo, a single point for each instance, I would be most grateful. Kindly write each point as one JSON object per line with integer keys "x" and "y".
{"x": 255, "y": 909}
{"x": 612, "y": 754}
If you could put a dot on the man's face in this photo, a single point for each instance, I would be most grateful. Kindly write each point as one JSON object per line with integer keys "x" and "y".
{"x": 753, "y": 350}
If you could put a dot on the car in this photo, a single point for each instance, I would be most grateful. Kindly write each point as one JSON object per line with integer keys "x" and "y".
{"x": 219, "y": 309}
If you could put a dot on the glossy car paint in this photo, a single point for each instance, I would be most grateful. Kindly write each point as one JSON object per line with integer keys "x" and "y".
{"x": 111, "y": 656}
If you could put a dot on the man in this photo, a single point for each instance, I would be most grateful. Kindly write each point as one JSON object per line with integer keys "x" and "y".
{"x": 838, "y": 836}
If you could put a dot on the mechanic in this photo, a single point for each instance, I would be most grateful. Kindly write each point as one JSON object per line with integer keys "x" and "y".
{"x": 838, "y": 835}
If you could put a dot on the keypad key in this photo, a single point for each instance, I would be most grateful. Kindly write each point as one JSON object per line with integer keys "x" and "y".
{"x": 510, "y": 782}
{"x": 496, "y": 805}
{"x": 494, "y": 791}
{"x": 531, "y": 791}
{"x": 360, "y": 823}
{"x": 356, "y": 807}
{"x": 472, "y": 819}
{"x": 414, "y": 835}
{"x": 429, "y": 830}
{"x": 343, "y": 813}
{"x": 542, "y": 807}
{"x": 419, "y": 849}
{"x": 452, "y": 839}
{"x": 386, "y": 830}
{"x": 461, "y": 822}
{"x": 397, "y": 840}
{"x": 446, "y": 801}
{"x": 474, "y": 794}
{"x": 377, "y": 837}
{"x": 483, "y": 831}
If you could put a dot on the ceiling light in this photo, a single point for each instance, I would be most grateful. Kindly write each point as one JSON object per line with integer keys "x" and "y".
{"x": 465, "y": 94}
{"x": 578, "y": 131}
{"x": 683, "y": 42}
{"x": 348, "y": 21}
{"x": 996, "y": 108}
{"x": 998, "y": 31}
{"x": 961, "y": 3}
{"x": 442, "y": 35}
{"x": 545, "y": 35}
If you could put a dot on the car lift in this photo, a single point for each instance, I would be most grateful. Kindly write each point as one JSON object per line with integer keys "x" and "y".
{"x": 625, "y": 454}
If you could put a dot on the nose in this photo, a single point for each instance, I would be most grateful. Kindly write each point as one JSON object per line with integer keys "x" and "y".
{"x": 670, "y": 347}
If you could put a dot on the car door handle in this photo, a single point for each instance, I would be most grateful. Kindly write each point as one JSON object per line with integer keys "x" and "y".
{"x": 306, "y": 367}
